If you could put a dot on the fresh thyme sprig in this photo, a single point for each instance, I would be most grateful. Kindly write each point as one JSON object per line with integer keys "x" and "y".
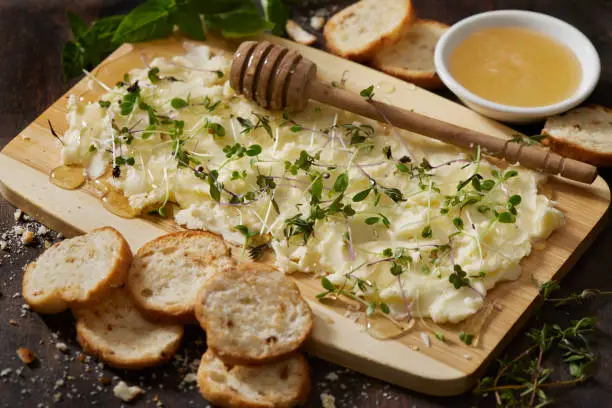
{"x": 521, "y": 381}
{"x": 248, "y": 127}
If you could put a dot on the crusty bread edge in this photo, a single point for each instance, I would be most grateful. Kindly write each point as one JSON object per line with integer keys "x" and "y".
{"x": 369, "y": 50}
{"x": 235, "y": 359}
{"x": 55, "y": 302}
{"x": 179, "y": 313}
{"x": 575, "y": 150}
{"x": 233, "y": 400}
{"x": 427, "y": 80}
{"x": 105, "y": 354}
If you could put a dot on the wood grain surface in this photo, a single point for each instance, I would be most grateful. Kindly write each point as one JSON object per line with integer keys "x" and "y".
{"x": 30, "y": 80}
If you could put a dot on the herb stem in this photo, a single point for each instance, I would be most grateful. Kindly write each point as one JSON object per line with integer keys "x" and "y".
{"x": 96, "y": 80}
{"x": 351, "y": 248}
{"x": 523, "y": 386}
{"x": 536, "y": 375}
{"x": 394, "y": 129}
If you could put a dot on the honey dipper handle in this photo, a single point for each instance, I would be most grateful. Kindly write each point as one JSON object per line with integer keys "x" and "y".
{"x": 532, "y": 157}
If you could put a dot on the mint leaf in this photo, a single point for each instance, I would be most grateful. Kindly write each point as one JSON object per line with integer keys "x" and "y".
{"x": 240, "y": 22}
{"x": 90, "y": 46}
{"x": 77, "y": 25}
{"x": 217, "y": 6}
{"x": 72, "y": 60}
{"x": 276, "y": 12}
{"x": 148, "y": 21}
{"x": 189, "y": 23}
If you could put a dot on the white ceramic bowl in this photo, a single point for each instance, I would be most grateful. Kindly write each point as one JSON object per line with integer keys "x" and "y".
{"x": 553, "y": 27}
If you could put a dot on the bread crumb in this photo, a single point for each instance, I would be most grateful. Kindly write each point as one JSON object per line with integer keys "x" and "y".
{"x": 104, "y": 380}
{"x": 18, "y": 229}
{"x": 317, "y": 22}
{"x": 42, "y": 230}
{"x": 126, "y": 392}
{"x": 26, "y": 355}
{"x": 328, "y": 400}
{"x": 27, "y": 237}
{"x": 331, "y": 376}
{"x": 190, "y": 378}
{"x": 13, "y": 322}
{"x": 3, "y": 245}
{"x": 17, "y": 214}
{"x": 61, "y": 346}
{"x": 5, "y": 372}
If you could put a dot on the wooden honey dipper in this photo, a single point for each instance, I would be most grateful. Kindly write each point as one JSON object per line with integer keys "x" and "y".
{"x": 278, "y": 78}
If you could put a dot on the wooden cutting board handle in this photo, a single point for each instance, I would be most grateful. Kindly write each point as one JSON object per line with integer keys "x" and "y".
{"x": 278, "y": 78}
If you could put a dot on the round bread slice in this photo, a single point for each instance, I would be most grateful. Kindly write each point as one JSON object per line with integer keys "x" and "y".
{"x": 76, "y": 270}
{"x": 115, "y": 331}
{"x": 583, "y": 134}
{"x": 359, "y": 31}
{"x": 252, "y": 314}
{"x": 168, "y": 272}
{"x": 281, "y": 384}
{"x": 412, "y": 57}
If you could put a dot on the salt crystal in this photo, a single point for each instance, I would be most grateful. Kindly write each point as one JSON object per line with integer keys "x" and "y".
{"x": 331, "y": 376}
{"x": 425, "y": 338}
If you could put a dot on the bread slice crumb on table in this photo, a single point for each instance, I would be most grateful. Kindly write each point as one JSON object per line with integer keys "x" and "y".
{"x": 583, "y": 134}
{"x": 281, "y": 384}
{"x": 168, "y": 272}
{"x": 298, "y": 34}
{"x": 114, "y": 330}
{"x": 253, "y": 314}
{"x": 361, "y": 30}
{"x": 412, "y": 57}
{"x": 126, "y": 392}
{"x": 76, "y": 271}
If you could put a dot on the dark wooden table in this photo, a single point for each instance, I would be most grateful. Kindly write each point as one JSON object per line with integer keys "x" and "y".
{"x": 31, "y": 36}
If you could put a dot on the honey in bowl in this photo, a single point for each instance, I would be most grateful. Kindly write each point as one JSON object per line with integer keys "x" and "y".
{"x": 516, "y": 66}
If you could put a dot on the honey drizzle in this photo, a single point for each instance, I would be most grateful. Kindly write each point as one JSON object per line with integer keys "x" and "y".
{"x": 68, "y": 177}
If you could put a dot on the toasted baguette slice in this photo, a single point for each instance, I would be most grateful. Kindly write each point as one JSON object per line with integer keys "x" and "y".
{"x": 252, "y": 314}
{"x": 76, "y": 270}
{"x": 115, "y": 331}
{"x": 361, "y": 30}
{"x": 298, "y": 34}
{"x": 584, "y": 134}
{"x": 282, "y": 384}
{"x": 168, "y": 272}
{"x": 412, "y": 58}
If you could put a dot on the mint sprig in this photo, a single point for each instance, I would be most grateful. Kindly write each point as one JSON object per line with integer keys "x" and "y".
{"x": 157, "y": 19}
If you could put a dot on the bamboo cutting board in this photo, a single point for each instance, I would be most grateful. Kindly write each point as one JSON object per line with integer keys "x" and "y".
{"x": 447, "y": 368}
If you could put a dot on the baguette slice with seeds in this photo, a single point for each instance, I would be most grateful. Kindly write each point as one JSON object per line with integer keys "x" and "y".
{"x": 412, "y": 58}
{"x": 168, "y": 272}
{"x": 282, "y": 384}
{"x": 116, "y": 331}
{"x": 77, "y": 270}
{"x": 364, "y": 28}
{"x": 252, "y": 314}
{"x": 583, "y": 134}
